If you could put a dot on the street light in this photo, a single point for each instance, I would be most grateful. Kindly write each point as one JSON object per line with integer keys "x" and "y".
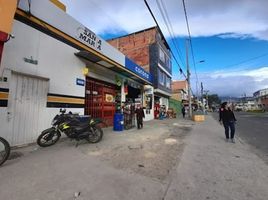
{"x": 197, "y": 88}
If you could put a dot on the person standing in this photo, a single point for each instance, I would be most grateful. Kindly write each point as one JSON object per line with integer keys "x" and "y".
{"x": 183, "y": 111}
{"x": 227, "y": 118}
{"x": 139, "y": 115}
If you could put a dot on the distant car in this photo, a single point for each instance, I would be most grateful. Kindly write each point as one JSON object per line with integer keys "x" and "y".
{"x": 238, "y": 109}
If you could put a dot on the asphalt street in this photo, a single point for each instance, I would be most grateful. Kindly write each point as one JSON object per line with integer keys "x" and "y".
{"x": 252, "y": 128}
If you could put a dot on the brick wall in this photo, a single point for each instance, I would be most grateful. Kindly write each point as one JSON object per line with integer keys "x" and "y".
{"x": 136, "y": 46}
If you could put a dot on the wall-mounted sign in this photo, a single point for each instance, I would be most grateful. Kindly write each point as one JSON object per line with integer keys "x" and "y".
{"x": 85, "y": 71}
{"x": 80, "y": 82}
{"x": 31, "y": 60}
{"x": 109, "y": 98}
{"x": 88, "y": 37}
{"x": 137, "y": 70}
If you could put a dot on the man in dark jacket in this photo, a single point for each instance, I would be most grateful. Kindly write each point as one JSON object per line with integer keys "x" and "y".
{"x": 227, "y": 117}
{"x": 183, "y": 111}
{"x": 139, "y": 115}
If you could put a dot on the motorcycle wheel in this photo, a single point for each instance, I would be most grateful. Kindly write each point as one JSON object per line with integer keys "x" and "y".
{"x": 48, "y": 138}
{"x": 96, "y": 135}
{"x": 4, "y": 150}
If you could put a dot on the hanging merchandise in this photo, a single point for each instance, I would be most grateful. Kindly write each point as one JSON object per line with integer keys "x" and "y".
{"x": 129, "y": 115}
{"x": 118, "y": 80}
{"x": 126, "y": 89}
{"x": 156, "y": 110}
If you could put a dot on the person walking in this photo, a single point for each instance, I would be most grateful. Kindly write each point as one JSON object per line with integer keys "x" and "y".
{"x": 227, "y": 118}
{"x": 139, "y": 115}
{"x": 183, "y": 111}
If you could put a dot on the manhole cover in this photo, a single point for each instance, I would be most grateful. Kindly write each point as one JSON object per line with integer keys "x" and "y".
{"x": 14, "y": 155}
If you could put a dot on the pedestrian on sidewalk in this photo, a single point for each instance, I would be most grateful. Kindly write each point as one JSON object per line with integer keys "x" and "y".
{"x": 183, "y": 111}
{"x": 139, "y": 116}
{"x": 227, "y": 118}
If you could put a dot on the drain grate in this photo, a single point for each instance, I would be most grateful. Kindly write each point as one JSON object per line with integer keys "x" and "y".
{"x": 15, "y": 155}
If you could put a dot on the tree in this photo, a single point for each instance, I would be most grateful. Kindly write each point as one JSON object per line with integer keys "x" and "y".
{"x": 213, "y": 100}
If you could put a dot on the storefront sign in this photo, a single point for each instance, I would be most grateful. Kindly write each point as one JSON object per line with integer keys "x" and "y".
{"x": 137, "y": 70}
{"x": 80, "y": 82}
{"x": 148, "y": 91}
{"x": 88, "y": 37}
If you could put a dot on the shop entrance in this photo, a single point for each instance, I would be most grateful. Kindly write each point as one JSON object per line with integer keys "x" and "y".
{"x": 133, "y": 95}
{"x": 133, "y": 98}
{"x": 100, "y": 100}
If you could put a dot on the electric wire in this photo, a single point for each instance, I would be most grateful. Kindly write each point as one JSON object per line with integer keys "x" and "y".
{"x": 190, "y": 40}
{"x": 148, "y": 7}
{"x": 247, "y": 60}
{"x": 169, "y": 27}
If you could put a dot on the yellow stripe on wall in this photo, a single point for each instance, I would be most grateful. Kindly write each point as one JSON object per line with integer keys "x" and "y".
{"x": 3, "y": 96}
{"x": 59, "y": 4}
{"x": 65, "y": 100}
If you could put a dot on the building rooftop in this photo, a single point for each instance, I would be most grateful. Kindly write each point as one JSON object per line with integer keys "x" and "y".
{"x": 178, "y": 85}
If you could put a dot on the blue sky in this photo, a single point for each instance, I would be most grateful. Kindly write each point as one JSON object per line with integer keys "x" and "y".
{"x": 230, "y": 35}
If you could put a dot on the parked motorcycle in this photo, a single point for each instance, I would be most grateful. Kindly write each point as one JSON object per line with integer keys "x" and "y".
{"x": 4, "y": 150}
{"x": 73, "y": 127}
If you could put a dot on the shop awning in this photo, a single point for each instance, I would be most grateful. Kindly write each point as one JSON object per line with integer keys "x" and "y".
{"x": 117, "y": 68}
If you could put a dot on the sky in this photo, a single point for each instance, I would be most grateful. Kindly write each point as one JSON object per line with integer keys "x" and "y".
{"x": 230, "y": 36}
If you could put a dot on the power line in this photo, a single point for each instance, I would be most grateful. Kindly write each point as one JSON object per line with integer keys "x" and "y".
{"x": 247, "y": 60}
{"x": 190, "y": 39}
{"x": 147, "y": 5}
{"x": 169, "y": 27}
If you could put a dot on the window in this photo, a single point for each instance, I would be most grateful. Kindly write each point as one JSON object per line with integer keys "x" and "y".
{"x": 168, "y": 62}
{"x": 164, "y": 58}
{"x": 161, "y": 55}
{"x": 168, "y": 82}
{"x": 161, "y": 77}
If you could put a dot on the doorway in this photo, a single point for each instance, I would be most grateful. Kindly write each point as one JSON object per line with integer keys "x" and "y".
{"x": 26, "y": 106}
{"x": 100, "y": 100}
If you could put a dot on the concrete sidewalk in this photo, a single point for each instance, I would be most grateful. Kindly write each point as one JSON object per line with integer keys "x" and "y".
{"x": 208, "y": 167}
{"x": 124, "y": 165}
{"x": 211, "y": 168}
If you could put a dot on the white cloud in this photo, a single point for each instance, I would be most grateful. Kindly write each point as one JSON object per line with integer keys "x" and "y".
{"x": 228, "y": 18}
{"x": 235, "y": 83}
{"x": 206, "y": 17}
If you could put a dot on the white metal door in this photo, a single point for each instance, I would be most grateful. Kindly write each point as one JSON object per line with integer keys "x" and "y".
{"x": 26, "y": 106}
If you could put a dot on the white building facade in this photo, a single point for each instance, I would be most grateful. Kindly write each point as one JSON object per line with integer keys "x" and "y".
{"x": 55, "y": 62}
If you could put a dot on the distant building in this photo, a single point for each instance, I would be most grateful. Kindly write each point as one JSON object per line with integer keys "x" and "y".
{"x": 261, "y": 99}
{"x": 245, "y": 104}
{"x": 180, "y": 90}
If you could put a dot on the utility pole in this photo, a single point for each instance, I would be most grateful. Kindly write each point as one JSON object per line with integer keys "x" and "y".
{"x": 206, "y": 91}
{"x": 188, "y": 80}
{"x": 202, "y": 99}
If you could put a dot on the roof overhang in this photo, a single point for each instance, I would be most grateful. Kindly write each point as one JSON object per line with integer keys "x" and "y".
{"x": 162, "y": 93}
{"x": 116, "y": 68}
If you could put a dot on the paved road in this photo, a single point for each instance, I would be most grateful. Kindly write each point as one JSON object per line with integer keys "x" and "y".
{"x": 253, "y": 129}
